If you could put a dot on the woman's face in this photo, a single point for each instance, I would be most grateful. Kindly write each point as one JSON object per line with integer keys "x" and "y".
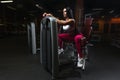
{"x": 64, "y": 12}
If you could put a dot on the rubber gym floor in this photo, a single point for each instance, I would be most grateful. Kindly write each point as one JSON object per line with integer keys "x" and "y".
{"x": 17, "y": 63}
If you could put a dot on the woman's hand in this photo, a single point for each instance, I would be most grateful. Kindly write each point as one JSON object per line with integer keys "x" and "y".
{"x": 47, "y": 14}
{"x": 44, "y": 14}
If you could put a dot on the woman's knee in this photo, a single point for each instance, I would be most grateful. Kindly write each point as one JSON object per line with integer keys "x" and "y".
{"x": 78, "y": 37}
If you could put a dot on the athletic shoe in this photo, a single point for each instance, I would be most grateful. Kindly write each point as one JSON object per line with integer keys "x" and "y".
{"x": 60, "y": 50}
{"x": 80, "y": 62}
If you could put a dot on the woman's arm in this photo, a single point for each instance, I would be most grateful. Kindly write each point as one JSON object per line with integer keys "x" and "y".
{"x": 61, "y": 22}
{"x": 65, "y": 22}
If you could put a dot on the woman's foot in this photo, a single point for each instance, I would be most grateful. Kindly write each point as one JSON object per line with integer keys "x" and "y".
{"x": 60, "y": 50}
{"x": 80, "y": 62}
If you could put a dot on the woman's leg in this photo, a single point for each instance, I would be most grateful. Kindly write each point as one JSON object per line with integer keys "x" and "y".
{"x": 78, "y": 44}
{"x": 64, "y": 37}
{"x": 79, "y": 49}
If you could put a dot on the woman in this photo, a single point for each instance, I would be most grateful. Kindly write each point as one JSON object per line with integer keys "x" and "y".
{"x": 68, "y": 25}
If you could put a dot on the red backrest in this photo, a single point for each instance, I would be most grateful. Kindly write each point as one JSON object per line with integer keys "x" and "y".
{"x": 87, "y": 27}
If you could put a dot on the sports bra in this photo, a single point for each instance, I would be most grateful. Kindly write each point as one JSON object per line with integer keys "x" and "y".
{"x": 66, "y": 27}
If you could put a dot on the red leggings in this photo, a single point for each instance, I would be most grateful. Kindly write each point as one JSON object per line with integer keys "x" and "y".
{"x": 64, "y": 37}
{"x": 77, "y": 40}
{"x": 67, "y": 37}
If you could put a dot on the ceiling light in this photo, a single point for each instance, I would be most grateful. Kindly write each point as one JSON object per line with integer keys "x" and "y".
{"x": 38, "y": 6}
{"x": 9, "y": 1}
